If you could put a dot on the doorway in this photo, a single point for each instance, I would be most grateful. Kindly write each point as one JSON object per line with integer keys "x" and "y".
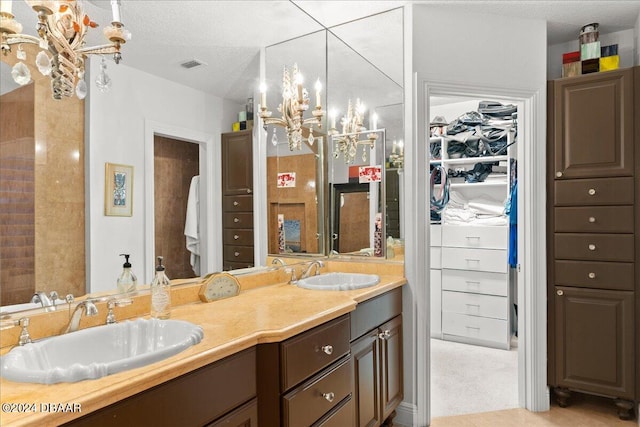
{"x": 473, "y": 173}
{"x": 176, "y": 164}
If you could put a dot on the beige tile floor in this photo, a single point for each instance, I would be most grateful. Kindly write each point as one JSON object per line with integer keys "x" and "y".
{"x": 584, "y": 411}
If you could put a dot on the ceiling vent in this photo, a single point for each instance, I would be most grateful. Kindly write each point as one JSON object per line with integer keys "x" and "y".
{"x": 192, "y": 63}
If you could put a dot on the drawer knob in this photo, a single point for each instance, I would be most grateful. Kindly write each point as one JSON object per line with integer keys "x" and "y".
{"x": 559, "y": 174}
{"x": 592, "y": 247}
{"x": 327, "y": 349}
{"x": 592, "y": 191}
{"x": 329, "y": 396}
{"x": 592, "y": 275}
{"x": 236, "y": 220}
{"x": 384, "y": 334}
{"x": 236, "y": 237}
{"x": 248, "y": 190}
{"x": 235, "y": 203}
{"x": 592, "y": 219}
{"x": 559, "y": 292}
{"x": 236, "y": 253}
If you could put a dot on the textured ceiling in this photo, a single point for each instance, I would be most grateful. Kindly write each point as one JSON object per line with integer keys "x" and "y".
{"x": 228, "y": 35}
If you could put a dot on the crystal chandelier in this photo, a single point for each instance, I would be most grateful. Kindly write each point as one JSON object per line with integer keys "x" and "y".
{"x": 62, "y": 27}
{"x": 295, "y": 101}
{"x": 397, "y": 160}
{"x": 347, "y": 142}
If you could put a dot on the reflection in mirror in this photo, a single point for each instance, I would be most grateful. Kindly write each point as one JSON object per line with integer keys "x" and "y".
{"x": 296, "y": 177}
{"x": 41, "y": 178}
{"x": 358, "y": 194}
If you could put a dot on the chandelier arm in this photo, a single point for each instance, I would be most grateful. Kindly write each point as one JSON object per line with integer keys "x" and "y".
{"x": 21, "y": 38}
{"x": 274, "y": 121}
{"x": 99, "y": 50}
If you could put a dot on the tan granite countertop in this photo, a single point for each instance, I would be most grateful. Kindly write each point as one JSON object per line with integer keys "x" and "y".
{"x": 265, "y": 314}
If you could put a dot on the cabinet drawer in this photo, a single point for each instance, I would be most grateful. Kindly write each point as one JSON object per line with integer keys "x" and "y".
{"x": 237, "y": 220}
{"x": 237, "y": 203}
{"x": 311, "y": 351}
{"x": 435, "y": 290}
{"x": 480, "y": 328}
{"x": 238, "y": 237}
{"x": 475, "y": 304}
{"x": 340, "y": 416}
{"x": 474, "y": 236}
{"x": 436, "y": 258}
{"x": 233, "y": 253}
{"x": 594, "y": 247}
{"x": 601, "y": 191}
{"x": 598, "y": 275}
{"x": 307, "y": 403}
{"x": 478, "y": 282}
{"x": 371, "y": 313}
{"x": 228, "y": 265}
{"x": 435, "y": 235}
{"x": 594, "y": 219}
{"x": 475, "y": 259}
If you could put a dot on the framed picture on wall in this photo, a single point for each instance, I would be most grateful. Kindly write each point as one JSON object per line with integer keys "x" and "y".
{"x": 118, "y": 190}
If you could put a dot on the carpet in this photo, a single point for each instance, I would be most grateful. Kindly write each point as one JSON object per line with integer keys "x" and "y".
{"x": 468, "y": 379}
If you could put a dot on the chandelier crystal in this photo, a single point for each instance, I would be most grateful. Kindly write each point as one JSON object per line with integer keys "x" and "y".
{"x": 295, "y": 101}
{"x": 347, "y": 142}
{"x": 62, "y": 28}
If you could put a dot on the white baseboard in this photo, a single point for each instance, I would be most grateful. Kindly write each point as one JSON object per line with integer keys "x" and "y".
{"x": 405, "y": 414}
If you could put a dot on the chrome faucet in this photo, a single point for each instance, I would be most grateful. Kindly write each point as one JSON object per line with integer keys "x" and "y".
{"x": 113, "y": 303}
{"x": 23, "y": 322}
{"x": 306, "y": 273}
{"x": 47, "y": 302}
{"x": 278, "y": 261}
{"x": 86, "y": 306}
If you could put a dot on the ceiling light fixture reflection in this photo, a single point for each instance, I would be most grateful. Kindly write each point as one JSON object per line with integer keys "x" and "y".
{"x": 62, "y": 27}
{"x": 352, "y": 127}
{"x": 295, "y": 101}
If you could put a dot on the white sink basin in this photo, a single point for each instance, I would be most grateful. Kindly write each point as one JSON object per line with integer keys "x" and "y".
{"x": 339, "y": 281}
{"x": 96, "y": 352}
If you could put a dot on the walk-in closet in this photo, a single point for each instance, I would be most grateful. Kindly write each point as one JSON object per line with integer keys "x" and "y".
{"x": 472, "y": 181}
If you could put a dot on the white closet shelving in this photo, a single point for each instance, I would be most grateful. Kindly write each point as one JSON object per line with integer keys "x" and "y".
{"x": 470, "y": 292}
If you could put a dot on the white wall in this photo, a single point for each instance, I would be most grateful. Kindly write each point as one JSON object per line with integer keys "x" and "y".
{"x": 457, "y": 49}
{"x": 626, "y": 41}
{"x": 115, "y": 128}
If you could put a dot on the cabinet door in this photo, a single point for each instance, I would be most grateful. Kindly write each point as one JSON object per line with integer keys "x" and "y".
{"x": 366, "y": 364}
{"x": 237, "y": 163}
{"x": 391, "y": 386}
{"x": 594, "y": 341}
{"x": 592, "y": 125}
{"x": 244, "y": 416}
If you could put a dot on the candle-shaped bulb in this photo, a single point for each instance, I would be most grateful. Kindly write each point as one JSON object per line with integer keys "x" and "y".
{"x": 299, "y": 79}
{"x": 115, "y": 10}
{"x": 318, "y": 89}
{"x": 5, "y": 6}
{"x": 393, "y": 148}
{"x": 333, "y": 115}
{"x": 401, "y": 146}
{"x": 263, "y": 95}
{"x": 374, "y": 120}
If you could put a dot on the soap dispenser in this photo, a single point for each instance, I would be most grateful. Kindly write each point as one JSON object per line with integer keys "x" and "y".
{"x": 127, "y": 282}
{"x": 160, "y": 293}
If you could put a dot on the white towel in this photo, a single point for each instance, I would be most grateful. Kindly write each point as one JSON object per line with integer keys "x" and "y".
{"x": 192, "y": 224}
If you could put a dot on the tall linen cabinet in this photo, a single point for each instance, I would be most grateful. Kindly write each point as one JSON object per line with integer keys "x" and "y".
{"x": 593, "y": 235}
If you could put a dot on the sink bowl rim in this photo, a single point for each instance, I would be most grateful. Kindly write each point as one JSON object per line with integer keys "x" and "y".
{"x": 343, "y": 281}
{"x": 12, "y": 364}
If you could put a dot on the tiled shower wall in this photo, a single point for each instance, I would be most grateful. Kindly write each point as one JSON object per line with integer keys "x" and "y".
{"x": 175, "y": 163}
{"x": 17, "y": 196}
{"x": 56, "y": 132}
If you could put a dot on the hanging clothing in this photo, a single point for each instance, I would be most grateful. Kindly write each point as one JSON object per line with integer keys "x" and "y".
{"x": 192, "y": 224}
{"x": 512, "y": 211}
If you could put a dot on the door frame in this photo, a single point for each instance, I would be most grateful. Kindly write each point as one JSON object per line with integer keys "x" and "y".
{"x": 209, "y": 191}
{"x": 532, "y": 307}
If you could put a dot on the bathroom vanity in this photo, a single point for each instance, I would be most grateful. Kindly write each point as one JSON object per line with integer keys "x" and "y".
{"x": 265, "y": 355}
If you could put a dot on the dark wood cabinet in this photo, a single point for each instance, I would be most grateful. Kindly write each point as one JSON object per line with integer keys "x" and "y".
{"x": 237, "y": 200}
{"x": 220, "y": 394}
{"x": 592, "y": 125}
{"x": 377, "y": 359}
{"x": 306, "y": 379}
{"x": 595, "y": 340}
{"x": 593, "y": 243}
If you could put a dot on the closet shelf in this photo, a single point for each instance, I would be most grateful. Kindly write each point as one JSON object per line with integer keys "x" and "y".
{"x": 468, "y": 185}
